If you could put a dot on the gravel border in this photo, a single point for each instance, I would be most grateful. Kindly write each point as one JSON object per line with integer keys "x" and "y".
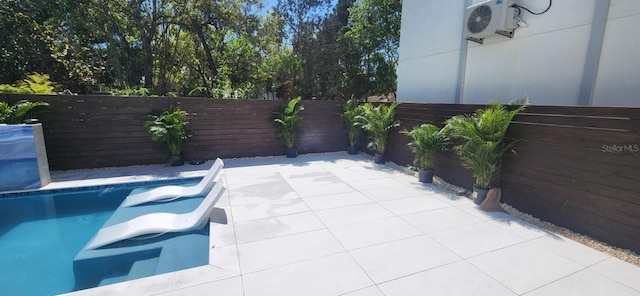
{"x": 622, "y": 254}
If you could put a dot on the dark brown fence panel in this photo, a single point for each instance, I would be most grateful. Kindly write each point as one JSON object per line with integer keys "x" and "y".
{"x": 98, "y": 131}
{"x": 106, "y": 131}
{"x": 323, "y": 127}
{"x": 230, "y": 128}
{"x": 577, "y": 167}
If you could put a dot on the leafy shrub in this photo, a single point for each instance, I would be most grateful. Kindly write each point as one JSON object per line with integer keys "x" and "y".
{"x": 482, "y": 135}
{"x": 34, "y": 84}
{"x": 378, "y": 121}
{"x": 426, "y": 141}
{"x": 133, "y": 92}
{"x": 22, "y": 110}
{"x": 168, "y": 129}
{"x": 350, "y": 114}
{"x": 287, "y": 120}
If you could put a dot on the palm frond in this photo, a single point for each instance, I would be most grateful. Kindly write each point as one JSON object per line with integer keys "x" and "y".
{"x": 287, "y": 121}
{"x": 22, "y": 110}
{"x": 426, "y": 141}
{"x": 350, "y": 113}
{"x": 482, "y": 139}
{"x": 168, "y": 129}
{"x": 378, "y": 121}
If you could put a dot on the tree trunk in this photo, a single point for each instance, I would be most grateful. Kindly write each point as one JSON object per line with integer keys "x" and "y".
{"x": 492, "y": 202}
{"x": 148, "y": 62}
{"x": 207, "y": 50}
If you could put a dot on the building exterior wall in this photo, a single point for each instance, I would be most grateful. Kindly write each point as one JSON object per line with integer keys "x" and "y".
{"x": 581, "y": 52}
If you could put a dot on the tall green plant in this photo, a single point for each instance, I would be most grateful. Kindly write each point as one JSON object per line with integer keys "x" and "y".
{"x": 168, "y": 129}
{"x": 34, "y": 84}
{"x": 350, "y": 114}
{"x": 22, "y": 110}
{"x": 287, "y": 121}
{"x": 482, "y": 139}
{"x": 426, "y": 141}
{"x": 378, "y": 122}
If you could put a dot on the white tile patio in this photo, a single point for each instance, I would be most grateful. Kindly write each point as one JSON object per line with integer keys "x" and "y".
{"x": 335, "y": 224}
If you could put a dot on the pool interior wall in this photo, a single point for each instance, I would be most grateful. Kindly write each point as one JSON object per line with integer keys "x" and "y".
{"x": 23, "y": 157}
{"x": 41, "y": 233}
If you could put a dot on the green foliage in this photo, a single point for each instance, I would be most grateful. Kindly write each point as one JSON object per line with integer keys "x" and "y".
{"x": 426, "y": 141}
{"x": 374, "y": 29}
{"x": 378, "y": 122}
{"x": 224, "y": 48}
{"x": 482, "y": 139}
{"x": 10, "y": 89}
{"x": 350, "y": 114}
{"x": 287, "y": 121}
{"x": 284, "y": 66}
{"x": 302, "y": 18}
{"x": 131, "y": 92}
{"x": 34, "y": 84}
{"x": 21, "y": 111}
{"x": 168, "y": 129}
{"x": 26, "y": 43}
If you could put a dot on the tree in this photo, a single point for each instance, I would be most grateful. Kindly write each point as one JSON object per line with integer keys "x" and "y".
{"x": 302, "y": 20}
{"x": 331, "y": 56}
{"x": 219, "y": 48}
{"x": 26, "y": 44}
{"x": 374, "y": 27}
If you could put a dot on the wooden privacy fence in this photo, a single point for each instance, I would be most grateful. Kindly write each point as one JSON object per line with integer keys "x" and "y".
{"x": 578, "y": 167}
{"x": 107, "y": 131}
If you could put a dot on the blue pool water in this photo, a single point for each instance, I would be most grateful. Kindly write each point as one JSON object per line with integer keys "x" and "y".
{"x": 41, "y": 234}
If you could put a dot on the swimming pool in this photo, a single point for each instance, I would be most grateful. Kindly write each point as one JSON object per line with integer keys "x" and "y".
{"x": 42, "y": 232}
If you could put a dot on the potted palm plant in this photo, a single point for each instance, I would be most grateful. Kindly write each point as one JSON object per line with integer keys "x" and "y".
{"x": 378, "y": 122}
{"x": 168, "y": 129}
{"x": 482, "y": 142}
{"x": 350, "y": 114}
{"x": 426, "y": 141}
{"x": 287, "y": 121}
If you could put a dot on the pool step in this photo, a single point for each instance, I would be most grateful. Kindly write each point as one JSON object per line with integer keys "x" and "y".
{"x": 143, "y": 268}
{"x": 139, "y": 269}
{"x": 113, "y": 280}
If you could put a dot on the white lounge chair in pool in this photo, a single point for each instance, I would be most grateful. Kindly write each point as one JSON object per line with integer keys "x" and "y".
{"x": 171, "y": 192}
{"x": 159, "y": 223}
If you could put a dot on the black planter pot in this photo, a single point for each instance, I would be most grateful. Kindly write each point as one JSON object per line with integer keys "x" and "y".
{"x": 176, "y": 160}
{"x": 378, "y": 158}
{"x": 425, "y": 175}
{"x": 292, "y": 152}
{"x": 479, "y": 194}
{"x": 352, "y": 150}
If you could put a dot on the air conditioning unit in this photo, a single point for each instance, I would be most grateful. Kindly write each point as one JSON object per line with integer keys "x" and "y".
{"x": 490, "y": 17}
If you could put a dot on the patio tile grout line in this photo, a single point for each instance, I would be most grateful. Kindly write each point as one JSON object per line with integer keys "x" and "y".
{"x": 483, "y": 219}
{"x": 235, "y": 237}
{"x": 607, "y": 276}
{"x": 339, "y": 242}
{"x": 461, "y": 258}
{"x": 295, "y": 262}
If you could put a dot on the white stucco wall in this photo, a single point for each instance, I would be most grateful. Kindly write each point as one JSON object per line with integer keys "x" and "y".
{"x": 618, "y": 82}
{"x": 545, "y": 61}
{"x": 429, "y": 51}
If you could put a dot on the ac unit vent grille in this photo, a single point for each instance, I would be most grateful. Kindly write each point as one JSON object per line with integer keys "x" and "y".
{"x": 479, "y": 19}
